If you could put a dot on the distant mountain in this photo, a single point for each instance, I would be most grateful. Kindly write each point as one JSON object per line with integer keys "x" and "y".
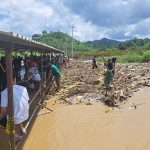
{"x": 108, "y": 43}
{"x": 63, "y": 41}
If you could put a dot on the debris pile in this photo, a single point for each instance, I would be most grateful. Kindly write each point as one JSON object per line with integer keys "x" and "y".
{"x": 79, "y": 80}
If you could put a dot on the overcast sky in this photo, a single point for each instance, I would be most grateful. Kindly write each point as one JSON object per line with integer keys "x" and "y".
{"x": 93, "y": 19}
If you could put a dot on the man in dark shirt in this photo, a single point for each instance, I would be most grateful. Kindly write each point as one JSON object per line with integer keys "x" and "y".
{"x": 114, "y": 64}
{"x": 94, "y": 63}
{"x": 3, "y": 81}
{"x": 110, "y": 64}
{"x": 114, "y": 61}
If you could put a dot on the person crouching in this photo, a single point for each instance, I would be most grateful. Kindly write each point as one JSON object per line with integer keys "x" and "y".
{"x": 53, "y": 70}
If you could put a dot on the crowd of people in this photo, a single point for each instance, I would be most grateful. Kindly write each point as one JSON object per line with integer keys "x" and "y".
{"x": 33, "y": 70}
{"x": 26, "y": 71}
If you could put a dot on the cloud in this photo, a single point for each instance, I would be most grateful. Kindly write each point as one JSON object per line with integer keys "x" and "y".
{"x": 110, "y": 13}
{"x": 32, "y": 16}
{"x": 25, "y": 16}
{"x": 96, "y": 19}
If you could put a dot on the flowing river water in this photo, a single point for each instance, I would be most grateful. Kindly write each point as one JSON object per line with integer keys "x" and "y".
{"x": 89, "y": 127}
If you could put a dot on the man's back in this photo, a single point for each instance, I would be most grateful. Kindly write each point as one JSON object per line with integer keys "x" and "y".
{"x": 20, "y": 99}
{"x": 110, "y": 65}
{"x": 55, "y": 70}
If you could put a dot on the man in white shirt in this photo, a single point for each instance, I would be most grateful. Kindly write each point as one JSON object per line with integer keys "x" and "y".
{"x": 21, "y": 105}
{"x": 35, "y": 75}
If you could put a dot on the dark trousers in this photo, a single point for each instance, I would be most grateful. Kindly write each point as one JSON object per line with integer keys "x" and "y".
{"x": 3, "y": 82}
{"x": 94, "y": 66}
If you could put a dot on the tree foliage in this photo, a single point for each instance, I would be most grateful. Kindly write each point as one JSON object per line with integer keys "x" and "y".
{"x": 63, "y": 41}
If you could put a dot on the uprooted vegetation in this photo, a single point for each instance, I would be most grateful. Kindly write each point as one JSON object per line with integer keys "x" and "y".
{"x": 81, "y": 84}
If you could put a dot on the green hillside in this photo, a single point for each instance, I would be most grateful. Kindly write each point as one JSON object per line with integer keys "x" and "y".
{"x": 135, "y": 44}
{"x": 60, "y": 40}
{"x": 63, "y": 41}
{"x": 135, "y": 50}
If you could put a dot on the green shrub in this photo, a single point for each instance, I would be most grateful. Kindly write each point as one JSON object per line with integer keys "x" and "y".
{"x": 146, "y": 56}
{"x": 134, "y": 58}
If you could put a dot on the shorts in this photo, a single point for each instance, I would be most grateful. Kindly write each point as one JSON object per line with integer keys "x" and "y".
{"x": 57, "y": 78}
{"x": 37, "y": 84}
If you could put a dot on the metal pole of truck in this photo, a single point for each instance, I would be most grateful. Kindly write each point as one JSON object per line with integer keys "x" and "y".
{"x": 10, "y": 125}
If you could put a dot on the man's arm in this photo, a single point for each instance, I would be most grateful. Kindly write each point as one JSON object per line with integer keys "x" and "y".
{"x": 2, "y": 67}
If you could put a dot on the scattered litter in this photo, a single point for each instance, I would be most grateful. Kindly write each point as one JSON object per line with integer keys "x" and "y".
{"x": 43, "y": 113}
{"x": 108, "y": 110}
{"x": 134, "y": 106}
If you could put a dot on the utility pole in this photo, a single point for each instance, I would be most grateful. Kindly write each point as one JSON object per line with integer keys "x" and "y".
{"x": 72, "y": 27}
{"x": 66, "y": 48}
{"x": 65, "y": 44}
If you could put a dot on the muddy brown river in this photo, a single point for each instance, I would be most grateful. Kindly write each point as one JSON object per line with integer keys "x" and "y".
{"x": 89, "y": 127}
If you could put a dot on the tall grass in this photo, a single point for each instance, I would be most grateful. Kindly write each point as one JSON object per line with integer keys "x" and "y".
{"x": 102, "y": 53}
{"x": 122, "y": 56}
{"x": 146, "y": 56}
{"x": 130, "y": 58}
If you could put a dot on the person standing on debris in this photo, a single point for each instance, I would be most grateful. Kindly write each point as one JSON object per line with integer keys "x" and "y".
{"x": 109, "y": 64}
{"x": 21, "y": 106}
{"x": 114, "y": 64}
{"x": 114, "y": 61}
{"x": 108, "y": 74}
{"x": 94, "y": 63}
{"x": 53, "y": 70}
{"x": 64, "y": 61}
